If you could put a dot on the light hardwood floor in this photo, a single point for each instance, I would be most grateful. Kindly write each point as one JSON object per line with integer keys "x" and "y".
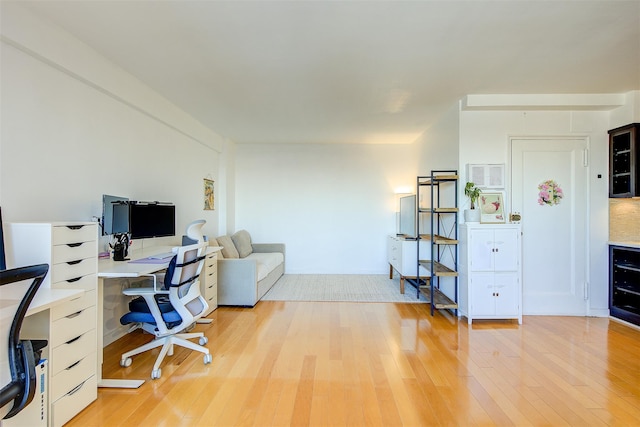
{"x": 305, "y": 363}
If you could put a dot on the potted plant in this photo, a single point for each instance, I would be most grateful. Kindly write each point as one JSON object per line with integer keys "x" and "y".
{"x": 473, "y": 193}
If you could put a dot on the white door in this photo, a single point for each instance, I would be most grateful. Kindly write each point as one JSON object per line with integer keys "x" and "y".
{"x": 554, "y": 243}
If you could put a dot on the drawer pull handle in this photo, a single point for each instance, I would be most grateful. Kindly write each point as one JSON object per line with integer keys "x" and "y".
{"x": 73, "y": 365}
{"x": 74, "y": 262}
{"x": 72, "y": 315}
{"x": 74, "y": 279}
{"x": 73, "y": 339}
{"x": 76, "y": 389}
{"x": 74, "y": 245}
{"x": 74, "y": 227}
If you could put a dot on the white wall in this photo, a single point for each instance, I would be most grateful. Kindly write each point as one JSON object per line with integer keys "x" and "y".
{"x": 628, "y": 113}
{"x": 484, "y": 138}
{"x": 75, "y": 127}
{"x": 331, "y": 204}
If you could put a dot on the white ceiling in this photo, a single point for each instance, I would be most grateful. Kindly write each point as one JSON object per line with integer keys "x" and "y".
{"x": 354, "y": 71}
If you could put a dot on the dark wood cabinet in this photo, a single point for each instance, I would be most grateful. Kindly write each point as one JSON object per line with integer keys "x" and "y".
{"x": 624, "y": 161}
{"x": 624, "y": 283}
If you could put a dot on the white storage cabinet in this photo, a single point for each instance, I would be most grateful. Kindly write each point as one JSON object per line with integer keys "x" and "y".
{"x": 490, "y": 271}
{"x": 209, "y": 281}
{"x": 71, "y": 250}
{"x": 402, "y": 257}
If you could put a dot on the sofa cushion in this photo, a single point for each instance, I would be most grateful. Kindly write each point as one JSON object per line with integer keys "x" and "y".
{"x": 228, "y": 248}
{"x": 266, "y": 262}
{"x": 242, "y": 241}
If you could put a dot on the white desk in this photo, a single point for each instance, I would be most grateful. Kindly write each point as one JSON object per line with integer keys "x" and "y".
{"x": 45, "y": 298}
{"x": 108, "y": 268}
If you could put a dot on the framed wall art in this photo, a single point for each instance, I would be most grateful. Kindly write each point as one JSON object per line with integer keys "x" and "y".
{"x": 492, "y": 207}
{"x": 208, "y": 195}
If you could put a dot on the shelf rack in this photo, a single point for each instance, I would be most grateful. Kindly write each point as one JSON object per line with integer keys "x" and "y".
{"x": 443, "y": 262}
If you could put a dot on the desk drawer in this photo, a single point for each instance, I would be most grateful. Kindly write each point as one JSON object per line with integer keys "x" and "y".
{"x": 88, "y": 283}
{"x": 73, "y": 270}
{"x": 75, "y": 374}
{"x": 72, "y": 326}
{"x": 74, "y": 401}
{"x": 65, "y": 234}
{"x": 212, "y": 301}
{"x": 210, "y": 289}
{"x": 212, "y": 260}
{"x": 70, "y": 307}
{"x": 65, "y": 355}
{"x": 74, "y": 251}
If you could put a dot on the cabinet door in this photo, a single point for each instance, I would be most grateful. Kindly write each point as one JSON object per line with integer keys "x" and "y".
{"x": 481, "y": 250}
{"x": 506, "y": 250}
{"x": 481, "y": 290}
{"x": 624, "y": 165}
{"x": 505, "y": 287}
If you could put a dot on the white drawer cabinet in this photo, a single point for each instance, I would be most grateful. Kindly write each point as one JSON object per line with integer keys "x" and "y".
{"x": 209, "y": 281}
{"x": 490, "y": 271}
{"x": 402, "y": 257}
{"x": 70, "y": 249}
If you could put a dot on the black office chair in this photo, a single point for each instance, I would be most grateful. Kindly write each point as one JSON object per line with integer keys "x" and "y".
{"x": 23, "y": 355}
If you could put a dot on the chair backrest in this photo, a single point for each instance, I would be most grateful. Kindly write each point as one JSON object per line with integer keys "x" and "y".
{"x": 18, "y": 356}
{"x": 184, "y": 290}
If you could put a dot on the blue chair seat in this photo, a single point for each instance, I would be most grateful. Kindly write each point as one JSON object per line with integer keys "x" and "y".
{"x": 171, "y": 318}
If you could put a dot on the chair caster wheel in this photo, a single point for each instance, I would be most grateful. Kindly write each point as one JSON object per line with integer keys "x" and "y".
{"x": 125, "y": 363}
{"x": 203, "y": 340}
{"x": 156, "y": 373}
{"x": 208, "y": 358}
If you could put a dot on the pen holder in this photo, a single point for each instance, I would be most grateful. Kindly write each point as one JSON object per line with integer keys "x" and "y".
{"x": 119, "y": 252}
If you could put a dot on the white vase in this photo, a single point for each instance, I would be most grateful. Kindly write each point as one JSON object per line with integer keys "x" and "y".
{"x": 472, "y": 215}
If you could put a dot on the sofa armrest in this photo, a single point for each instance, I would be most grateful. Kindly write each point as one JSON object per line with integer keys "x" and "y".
{"x": 237, "y": 282}
{"x": 268, "y": 247}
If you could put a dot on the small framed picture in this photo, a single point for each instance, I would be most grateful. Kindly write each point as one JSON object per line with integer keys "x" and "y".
{"x": 492, "y": 207}
{"x": 208, "y": 195}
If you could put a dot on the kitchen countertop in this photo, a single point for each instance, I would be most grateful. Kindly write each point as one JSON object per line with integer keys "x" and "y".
{"x": 627, "y": 244}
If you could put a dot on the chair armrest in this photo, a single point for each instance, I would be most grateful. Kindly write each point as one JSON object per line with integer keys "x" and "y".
{"x": 134, "y": 292}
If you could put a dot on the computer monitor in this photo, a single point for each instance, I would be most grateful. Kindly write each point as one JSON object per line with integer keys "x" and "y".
{"x": 3, "y": 259}
{"x": 148, "y": 220}
{"x": 115, "y": 215}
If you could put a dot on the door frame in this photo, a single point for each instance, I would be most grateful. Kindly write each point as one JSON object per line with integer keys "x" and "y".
{"x": 586, "y": 161}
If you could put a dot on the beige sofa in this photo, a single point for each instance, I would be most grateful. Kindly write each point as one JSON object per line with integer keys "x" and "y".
{"x": 246, "y": 270}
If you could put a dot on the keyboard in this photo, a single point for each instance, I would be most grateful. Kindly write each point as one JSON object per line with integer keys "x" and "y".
{"x": 162, "y": 255}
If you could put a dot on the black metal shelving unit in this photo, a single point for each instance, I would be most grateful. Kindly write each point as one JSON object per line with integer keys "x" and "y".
{"x": 443, "y": 236}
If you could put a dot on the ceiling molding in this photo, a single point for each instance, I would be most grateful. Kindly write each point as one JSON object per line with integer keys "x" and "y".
{"x": 555, "y": 102}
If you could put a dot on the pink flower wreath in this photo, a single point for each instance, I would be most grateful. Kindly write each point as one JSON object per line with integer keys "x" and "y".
{"x": 550, "y": 193}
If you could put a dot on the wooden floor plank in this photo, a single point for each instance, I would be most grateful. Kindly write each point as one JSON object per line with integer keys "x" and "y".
{"x": 375, "y": 364}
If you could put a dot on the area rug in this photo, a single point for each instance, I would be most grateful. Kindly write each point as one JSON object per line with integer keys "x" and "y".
{"x": 341, "y": 287}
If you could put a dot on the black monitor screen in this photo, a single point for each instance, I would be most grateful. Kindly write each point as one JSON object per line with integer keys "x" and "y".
{"x": 3, "y": 260}
{"x": 151, "y": 220}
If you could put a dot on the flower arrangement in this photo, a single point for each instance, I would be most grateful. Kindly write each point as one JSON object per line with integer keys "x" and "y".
{"x": 550, "y": 193}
